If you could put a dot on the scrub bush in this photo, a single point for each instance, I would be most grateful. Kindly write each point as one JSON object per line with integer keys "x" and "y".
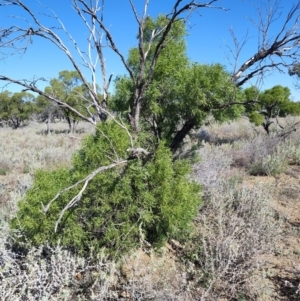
{"x": 148, "y": 199}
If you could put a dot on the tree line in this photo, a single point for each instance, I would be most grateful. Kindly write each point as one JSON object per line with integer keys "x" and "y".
{"x": 17, "y": 109}
{"x": 263, "y": 108}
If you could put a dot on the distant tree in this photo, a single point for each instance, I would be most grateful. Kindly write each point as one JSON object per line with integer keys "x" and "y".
{"x": 47, "y": 111}
{"x": 70, "y": 89}
{"x": 4, "y": 102}
{"x": 269, "y": 105}
{"x": 16, "y": 108}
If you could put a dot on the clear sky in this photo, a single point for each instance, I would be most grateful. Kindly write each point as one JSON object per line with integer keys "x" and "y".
{"x": 207, "y": 40}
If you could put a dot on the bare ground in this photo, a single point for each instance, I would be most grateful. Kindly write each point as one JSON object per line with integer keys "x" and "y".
{"x": 283, "y": 267}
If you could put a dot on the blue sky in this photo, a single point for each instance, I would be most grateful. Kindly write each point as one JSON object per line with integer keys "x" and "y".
{"x": 207, "y": 40}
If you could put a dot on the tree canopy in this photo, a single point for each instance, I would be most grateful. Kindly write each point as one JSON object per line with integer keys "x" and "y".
{"x": 269, "y": 105}
{"x": 181, "y": 95}
{"x": 16, "y": 108}
{"x": 127, "y": 171}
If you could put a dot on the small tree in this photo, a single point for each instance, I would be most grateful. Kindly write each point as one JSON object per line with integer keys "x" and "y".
{"x": 69, "y": 88}
{"x": 270, "y": 105}
{"x": 144, "y": 200}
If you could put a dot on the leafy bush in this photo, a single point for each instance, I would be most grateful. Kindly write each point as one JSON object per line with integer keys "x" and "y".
{"x": 149, "y": 199}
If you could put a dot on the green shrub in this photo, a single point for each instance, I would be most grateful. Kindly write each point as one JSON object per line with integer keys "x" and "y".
{"x": 2, "y": 171}
{"x": 150, "y": 197}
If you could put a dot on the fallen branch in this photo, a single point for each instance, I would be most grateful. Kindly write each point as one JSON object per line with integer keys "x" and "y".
{"x": 135, "y": 153}
{"x": 78, "y": 196}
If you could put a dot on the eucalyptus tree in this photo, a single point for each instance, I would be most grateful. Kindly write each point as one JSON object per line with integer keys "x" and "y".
{"x": 47, "y": 111}
{"x": 16, "y": 108}
{"x": 269, "y": 105}
{"x": 68, "y": 87}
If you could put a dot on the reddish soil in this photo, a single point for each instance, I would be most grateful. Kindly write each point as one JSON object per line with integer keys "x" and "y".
{"x": 283, "y": 267}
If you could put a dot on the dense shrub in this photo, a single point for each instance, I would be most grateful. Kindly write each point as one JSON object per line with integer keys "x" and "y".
{"x": 147, "y": 199}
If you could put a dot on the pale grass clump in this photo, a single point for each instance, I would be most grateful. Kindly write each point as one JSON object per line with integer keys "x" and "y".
{"x": 227, "y": 132}
{"x": 25, "y": 150}
{"x": 50, "y": 274}
{"x": 214, "y": 165}
{"x": 235, "y": 226}
{"x": 262, "y": 155}
{"x": 292, "y": 143}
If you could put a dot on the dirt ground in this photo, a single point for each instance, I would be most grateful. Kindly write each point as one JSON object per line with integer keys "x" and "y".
{"x": 283, "y": 267}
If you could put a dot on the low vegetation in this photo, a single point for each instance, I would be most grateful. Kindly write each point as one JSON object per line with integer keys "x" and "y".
{"x": 152, "y": 204}
{"x": 147, "y": 199}
{"x": 221, "y": 255}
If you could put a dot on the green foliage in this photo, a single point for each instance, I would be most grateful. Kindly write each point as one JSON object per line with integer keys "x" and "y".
{"x": 151, "y": 198}
{"x": 256, "y": 118}
{"x": 45, "y": 109}
{"x": 209, "y": 90}
{"x": 180, "y": 91}
{"x": 270, "y": 104}
{"x": 16, "y": 108}
{"x": 68, "y": 88}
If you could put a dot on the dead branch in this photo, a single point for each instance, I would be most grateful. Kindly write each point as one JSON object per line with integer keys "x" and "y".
{"x": 31, "y": 86}
{"x": 273, "y": 52}
{"x": 78, "y": 196}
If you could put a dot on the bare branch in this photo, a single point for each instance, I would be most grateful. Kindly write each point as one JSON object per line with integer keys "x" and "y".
{"x": 78, "y": 196}
{"x": 109, "y": 37}
{"x": 259, "y": 71}
{"x": 273, "y": 52}
{"x": 31, "y": 86}
{"x": 20, "y": 34}
{"x": 236, "y": 50}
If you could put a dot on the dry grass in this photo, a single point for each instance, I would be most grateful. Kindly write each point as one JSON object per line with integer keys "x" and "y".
{"x": 27, "y": 149}
{"x": 227, "y": 132}
{"x": 235, "y": 226}
{"x": 233, "y": 229}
